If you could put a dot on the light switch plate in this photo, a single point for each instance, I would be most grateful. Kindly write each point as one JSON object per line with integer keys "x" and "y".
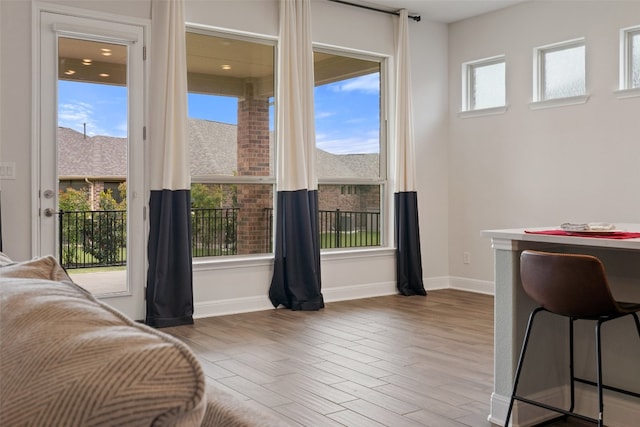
{"x": 7, "y": 170}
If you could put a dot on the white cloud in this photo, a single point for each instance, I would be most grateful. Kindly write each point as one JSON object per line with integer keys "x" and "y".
{"x": 350, "y": 145}
{"x": 369, "y": 83}
{"x": 324, "y": 114}
{"x": 75, "y": 115}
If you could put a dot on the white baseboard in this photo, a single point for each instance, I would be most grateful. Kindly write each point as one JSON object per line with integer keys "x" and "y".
{"x": 259, "y": 303}
{"x": 619, "y": 411}
{"x": 472, "y": 285}
{"x": 368, "y": 290}
{"x": 343, "y": 293}
{"x": 231, "y": 306}
{"x": 524, "y": 415}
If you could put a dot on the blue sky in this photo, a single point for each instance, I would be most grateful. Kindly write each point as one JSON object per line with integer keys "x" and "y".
{"x": 347, "y": 112}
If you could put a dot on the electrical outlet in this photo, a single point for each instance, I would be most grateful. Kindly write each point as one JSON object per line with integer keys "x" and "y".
{"x": 7, "y": 170}
{"x": 466, "y": 257}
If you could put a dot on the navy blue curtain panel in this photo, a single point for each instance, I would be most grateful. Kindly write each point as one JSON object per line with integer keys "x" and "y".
{"x": 407, "y": 233}
{"x": 170, "y": 277}
{"x": 296, "y": 276}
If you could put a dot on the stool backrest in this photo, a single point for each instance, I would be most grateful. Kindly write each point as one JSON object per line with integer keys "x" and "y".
{"x": 567, "y": 284}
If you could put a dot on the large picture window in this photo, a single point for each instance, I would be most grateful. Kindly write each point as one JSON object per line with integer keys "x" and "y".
{"x": 231, "y": 90}
{"x": 350, "y": 161}
{"x": 231, "y": 136}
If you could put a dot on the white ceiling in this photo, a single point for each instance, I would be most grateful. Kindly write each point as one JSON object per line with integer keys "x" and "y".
{"x": 440, "y": 10}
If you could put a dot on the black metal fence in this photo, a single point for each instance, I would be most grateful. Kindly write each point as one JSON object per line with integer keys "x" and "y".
{"x": 344, "y": 229}
{"x": 99, "y": 238}
{"x": 349, "y": 229}
{"x": 214, "y": 232}
{"x": 92, "y": 238}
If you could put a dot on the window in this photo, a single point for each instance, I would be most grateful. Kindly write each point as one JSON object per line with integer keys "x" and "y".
{"x": 483, "y": 84}
{"x": 630, "y": 59}
{"x": 350, "y": 160}
{"x": 231, "y": 90}
{"x": 560, "y": 71}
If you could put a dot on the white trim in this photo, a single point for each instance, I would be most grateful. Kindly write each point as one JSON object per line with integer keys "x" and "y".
{"x": 49, "y": 23}
{"x": 486, "y": 287}
{"x": 78, "y": 31}
{"x": 468, "y": 114}
{"x": 222, "y": 307}
{"x": 524, "y": 415}
{"x": 258, "y": 303}
{"x": 539, "y": 65}
{"x": 241, "y": 261}
{"x": 625, "y": 74}
{"x": 436, "y": 283}
{"x": 231, "y": 306}
{"x": 627, "y": 93}
{"x": 468, "y": 84}
{"x": 369, "y": 290}
{"x": 559, "y": 102}
{"x": 210, "y": 30}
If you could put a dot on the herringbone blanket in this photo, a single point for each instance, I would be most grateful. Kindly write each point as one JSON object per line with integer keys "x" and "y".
{"x": 67, "y": 359}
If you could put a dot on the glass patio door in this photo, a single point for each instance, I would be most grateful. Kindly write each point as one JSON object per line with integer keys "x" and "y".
{"x": 91, "y": 187}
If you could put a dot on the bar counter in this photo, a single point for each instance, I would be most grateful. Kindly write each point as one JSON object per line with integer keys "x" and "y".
{"x": 546, "y": 370}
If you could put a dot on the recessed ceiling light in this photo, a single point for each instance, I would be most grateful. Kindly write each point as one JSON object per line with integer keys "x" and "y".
{"x": 226, "y": 67}
{"x": 87, "y": 61}
{"x": 104, "y": 49}
{"x": 103, "y": 75}
{"x": 106, "y": 54}
{"x": 70, "y": 72}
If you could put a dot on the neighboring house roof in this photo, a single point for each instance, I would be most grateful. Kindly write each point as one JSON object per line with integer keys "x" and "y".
{"x": 93, "y": 156}
{"x": 213, "y": 150}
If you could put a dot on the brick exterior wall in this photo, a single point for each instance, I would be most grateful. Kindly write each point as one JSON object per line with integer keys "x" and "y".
{"x": 253, "y": 160}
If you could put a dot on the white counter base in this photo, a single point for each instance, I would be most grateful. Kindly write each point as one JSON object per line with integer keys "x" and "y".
{"x": 548, "y": 350}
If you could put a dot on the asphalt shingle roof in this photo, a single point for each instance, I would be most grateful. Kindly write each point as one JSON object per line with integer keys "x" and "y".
{"x": 213, "y": 150}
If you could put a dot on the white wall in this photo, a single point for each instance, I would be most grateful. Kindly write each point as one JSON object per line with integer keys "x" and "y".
{"x": 540, "y": 167}
{"x": 230, "y": 285}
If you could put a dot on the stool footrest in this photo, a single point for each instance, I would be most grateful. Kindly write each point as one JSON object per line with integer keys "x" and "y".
{"x": 556, "y": 409}
{"x": 608, "y": 387}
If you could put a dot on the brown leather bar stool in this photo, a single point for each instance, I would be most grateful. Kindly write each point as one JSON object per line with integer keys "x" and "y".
{"x": 574, "y": 286}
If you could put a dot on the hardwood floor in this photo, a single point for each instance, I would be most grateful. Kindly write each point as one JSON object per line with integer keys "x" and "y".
{"x": 386, "y": 361}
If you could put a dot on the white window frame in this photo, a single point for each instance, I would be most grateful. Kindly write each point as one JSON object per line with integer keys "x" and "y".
{"x": 205, "y": 263}
{"x": 539, "y": 101}
{"x": 468, "y": 85}
{"x": 386, "y": 199}
{"x": 625, "y": 88}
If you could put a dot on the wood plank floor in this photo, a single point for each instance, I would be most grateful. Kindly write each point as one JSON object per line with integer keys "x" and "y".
{"x": 386, "y": 361}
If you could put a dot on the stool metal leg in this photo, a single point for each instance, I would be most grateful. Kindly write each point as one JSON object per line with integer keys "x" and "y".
{"x": 635, "y": 317}
{"x": 520, "y": 360}
{"x": 599, "y": 375}
{"x": 571, "y": 368}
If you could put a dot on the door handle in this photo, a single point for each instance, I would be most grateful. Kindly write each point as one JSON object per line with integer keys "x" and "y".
{"x": 49, "y": 212}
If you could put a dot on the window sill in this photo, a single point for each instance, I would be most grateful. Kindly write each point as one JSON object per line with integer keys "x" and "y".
{"x": 350, "y": 253}
{"x": 627, "y": 93}
{"x": 482, "y": 112}
{"x": 235, "y": 261}
{"x": 559, "y": 102}
{"x": 232, "y": 261}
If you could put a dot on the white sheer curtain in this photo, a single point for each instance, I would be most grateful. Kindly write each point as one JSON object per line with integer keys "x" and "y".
{"x": 296, "y": 136}
{"x": 170, "y": 277}
{"x": 296, "y": 276}
{"x": 405, "y": 151}
{"x": 407, "y": 231}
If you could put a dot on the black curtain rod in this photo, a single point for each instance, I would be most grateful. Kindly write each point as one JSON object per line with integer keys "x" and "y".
{"x": 362, "y": 6}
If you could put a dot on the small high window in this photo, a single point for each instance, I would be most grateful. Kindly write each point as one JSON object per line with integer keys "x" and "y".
{"x": 560, "y": 71}
{"x": 630, "y": 58}
{"x": 484, "y": 84}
